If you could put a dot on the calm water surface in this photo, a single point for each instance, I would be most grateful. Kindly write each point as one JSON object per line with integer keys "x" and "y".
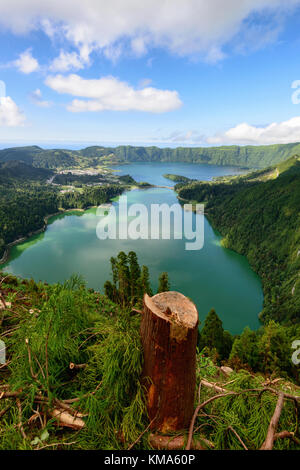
{"x": 213, "y": 277}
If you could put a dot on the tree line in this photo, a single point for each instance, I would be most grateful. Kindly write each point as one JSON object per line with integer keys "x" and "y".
{"x": 24, "y": 206}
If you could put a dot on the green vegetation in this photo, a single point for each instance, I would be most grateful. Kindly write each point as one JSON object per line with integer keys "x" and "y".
{"x": 91, "y": 157}
{"x": 89, "y": 196}
{"x": 163, "y": 283}
{"x": 267, "y": 350}
{"x": 178, "y": 178}
{"x": 74, "y": 361}
{"x": 214, "y": 337}
{"x": 248, "y": 156}
{"x": 38, "y": 157}
{"x": 130, "y": 281}
{"x": 260, "y": 219}
{"x": 23, "y": 207}
{"x": 22, "y": 171}
{"x": 56, "y": 325}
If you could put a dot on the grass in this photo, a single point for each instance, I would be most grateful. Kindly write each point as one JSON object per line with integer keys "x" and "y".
{"x": 48, "y": 326}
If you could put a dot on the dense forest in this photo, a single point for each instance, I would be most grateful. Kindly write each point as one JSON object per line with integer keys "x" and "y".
{"x": 177, "y": 178}
{"x": 260, "y": 219}
{"x": 23, "y": 208}
{"x": 246, "y": 156}
{"x": 74, "y": 359}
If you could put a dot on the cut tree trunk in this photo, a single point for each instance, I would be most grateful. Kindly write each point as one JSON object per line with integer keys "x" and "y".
{"x": 169, "y": 330}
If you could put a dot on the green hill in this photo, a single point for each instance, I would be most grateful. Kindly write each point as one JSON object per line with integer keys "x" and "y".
{"x": 39, "y": 157}
{"x": 247, "y": 156}
{"x": 261, "y": 219}
{"x": 22, "y": 171}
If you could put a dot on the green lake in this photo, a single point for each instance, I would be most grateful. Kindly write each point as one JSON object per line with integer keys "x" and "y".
{"x": 213, "y": 277}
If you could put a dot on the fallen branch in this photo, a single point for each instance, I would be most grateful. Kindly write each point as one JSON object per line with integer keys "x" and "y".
{"x": 287, "y": 434}
{"x": 269, "y": 441}
{"x": 72, "y": 411}
{"x": 288, "y": 396}
{"x": 213, "y": 386}
{"x": 269, "y": 382}
{"x": 2, "y": 412}
{"x": 66, "y": 419}
{"x": 74, "y": 400}
{"x": 73, "y": 366}
{"x": 34, "y": 376}
{"x": 198, "y": 408}
{"x": 141, "y": 435}
{"x": 135, "y": 311}
{"x": 2, "y": 302}
{"x": 221, "y": 395}
{"x": 20, "y": 425}
{"x": 56, "y": 444}
{"x": 238, "y": 437}
{"x": 172, "y": 442}
{"x": 4, "y": 395}
{"x": 5, "y": 365}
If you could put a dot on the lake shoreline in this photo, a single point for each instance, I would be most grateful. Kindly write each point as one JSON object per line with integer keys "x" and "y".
{"x": 9, "y": 246}
{"x": 6, "y": 254}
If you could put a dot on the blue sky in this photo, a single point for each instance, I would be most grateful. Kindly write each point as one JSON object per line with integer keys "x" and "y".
{"x": 180, "y": 72}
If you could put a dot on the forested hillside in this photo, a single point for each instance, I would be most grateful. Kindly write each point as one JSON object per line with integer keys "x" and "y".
{"x": 39, "y": 157}
{"x": 261, "y": 219}
{"x": 246, "y": 156}
{"x": 22, "y": 171}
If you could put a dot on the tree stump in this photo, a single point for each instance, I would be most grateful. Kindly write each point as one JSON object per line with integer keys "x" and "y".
{"x": 169, "y": 330}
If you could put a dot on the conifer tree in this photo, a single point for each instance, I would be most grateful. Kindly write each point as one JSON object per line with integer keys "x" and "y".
{"x": 245, "y": 348}
{"x": 135, "y": 273}
{"x": 274, "y": 349}
{"x": 212, "y": 334}
{"x": 227, "y": 345}
{"x": 114, "y": 269}
{"x": 163, "y": 283}
{"x": 123, "y": 278}
{"x": 144, "y": 282}
{"x": 109, "y": 290}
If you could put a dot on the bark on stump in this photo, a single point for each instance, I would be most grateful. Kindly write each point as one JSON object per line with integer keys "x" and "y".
{"x": 169, "y": 330}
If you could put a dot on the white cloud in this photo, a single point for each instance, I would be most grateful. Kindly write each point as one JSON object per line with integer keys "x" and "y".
{"x": 10, "y": 114}
{"x": 26, "y": 63}
{"x": 184, "y": 27}
{"x": 67, "y": 61}
{"x": 276, "y": 133}
{"x": 37, "y": 98}
{"x": 109, "y": 93}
